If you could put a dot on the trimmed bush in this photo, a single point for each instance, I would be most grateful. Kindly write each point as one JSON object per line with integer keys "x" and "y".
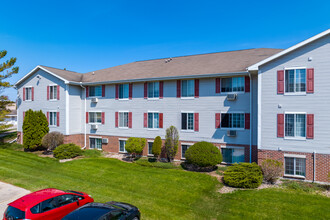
{"x": 171, "y": 142}
{"x": 51, "y": 140}
{"x": 272, "y": 170}
{"x": 135, "y": 145}
{"x": 243, "y": 175}
{"x": 67, "y": 151}
{"x": 203, "y": 154}
{"x": 157, "y": 147}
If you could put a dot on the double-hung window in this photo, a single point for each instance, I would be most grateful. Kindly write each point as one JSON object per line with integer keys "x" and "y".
{"x": 53, "y": 92}
{"x": 95, "y": 143}
{"x": 153, "y": 120}
{"x": 295, "y": 166}
{"x": 150, "y": 148}
{"x": 123, "y": 91}
{"x": 188, "y": 88}
{"x": 95, "y": 117}
{"x": 187, "y": 121}
{"x": 233, "y": 84}
{"x": 233, "y": 155}
{"x": 184, "y": 148}
{"x": 232, "y": 120}
{"x": 28, "y": 93}
{"x": 123, "y": 119}
{"x": 122, "y": 144}
{"x": 53, "y": 118}
{"x": 153, "y": 90}
{"x": 295, "y": 81}
{"x": 95, "y": 90}
{"x": 295, "y": 125}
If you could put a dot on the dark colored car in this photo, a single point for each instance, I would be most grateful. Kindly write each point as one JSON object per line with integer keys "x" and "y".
{"x": 50, "y": 204}
{"x": 105, "y": 211}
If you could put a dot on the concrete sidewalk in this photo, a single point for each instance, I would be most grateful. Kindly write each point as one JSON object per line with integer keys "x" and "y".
{"x": 9, "y": 193}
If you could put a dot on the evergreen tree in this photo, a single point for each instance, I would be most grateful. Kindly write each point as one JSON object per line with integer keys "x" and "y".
{"x": 171, "y": 142}
{"x": 157, "y": 146}
{"x": 135, "y": 145}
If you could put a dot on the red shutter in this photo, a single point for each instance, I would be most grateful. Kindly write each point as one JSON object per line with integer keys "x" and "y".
{"x": 117, "y": 92}
{"x": 217, "y": 85}
{"x": 116, "y": 119}
{"x": 47, "y": 92}
{"x": 310, "y": 80}
{"x": 103, "y": 117}
{"x": 130, "y": 90}
{"x": 247, "y": 120}
{"x": 23, "y": 93}
{"x": 58, "y": 119}
{"x": 145, "y": 90}
{"x": 310, "y": 126}
{"x": 247, "y": 84}
{"x": 48, "y": 117}
{"x": 280, "y": 125}
{"x": 130, "y": 119}
{"x": 87, "y": 92}
{"x": 103, "y": 90}
{"x": 23, "y": 116}
{"x": 280, "y": 82}
{"x": 145, "y": 120}
{"x": 161, "y": 89}
{"x": 217, "y": 120}
{"x": 86, "y": 117}
{"x": 196, "y": 121}
{"x": 196, "y": 88}
{"x": 32, "y": 91}
{"x": 160, "y": 120}
{"x": 58, "y": 92}
{"x": 178, "y": 88}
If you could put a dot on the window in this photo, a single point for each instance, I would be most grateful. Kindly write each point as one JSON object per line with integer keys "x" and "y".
{"x": 53, "y": 118}
{"x": 123, "y": 119}
{"x": 188, "y": 88}
{"x": 95, "y": 117}
{"x": 295, "y": 166}
{"x": 123, "y": 91}
{"x": 95, "y": 90}
{"x": 95, "y": 143}
{"x": 28, "y": 93}
{"x": 295, "y": 125}
{"x": 53, "y": 92}
{"x": 150, "y": 148}
{"x": 153, "y": 89}
{"x": 35, "y": 209}
{"x": 233, "y": 155}
{"x": 153, "y": 120}
{"x": 67, "y": 199}
{"x": 187, "y": 121}
{"x": 232, "y": 120}
{"x": 122, "y": 144}
{"x": 295, "y": 80}
{"x": 184, "y": 148}
{"x": 49, "y": 204}
{"x": 234, "y": 84}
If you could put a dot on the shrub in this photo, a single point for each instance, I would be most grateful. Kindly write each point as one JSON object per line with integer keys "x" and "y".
{"x": 203, "y": 154}
{"x": 272, "y": 170}
{"x": 66, "y": 151}
{"x": 51, "y": 140}
{"x": 171, "y": 142}
{"x": 243, "y": 175}
{"x": 135, "y": 145}
{"x": 157, "y": 146}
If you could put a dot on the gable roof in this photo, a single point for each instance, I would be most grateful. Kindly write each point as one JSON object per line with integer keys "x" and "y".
{"x": 255, "y": 67}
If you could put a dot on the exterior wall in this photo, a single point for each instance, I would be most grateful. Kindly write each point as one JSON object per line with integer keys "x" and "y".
{"x": 76, "y": 110}
{"x": 316, "y": 103}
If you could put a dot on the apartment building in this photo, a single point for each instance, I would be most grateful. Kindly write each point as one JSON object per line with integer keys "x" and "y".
{"x": 253, "y": 104}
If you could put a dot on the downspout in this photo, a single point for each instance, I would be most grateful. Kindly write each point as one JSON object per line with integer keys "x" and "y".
{"x": 250, "y": 117}
{"x": 314, "y": 167}
{"x": 85, "y": 136}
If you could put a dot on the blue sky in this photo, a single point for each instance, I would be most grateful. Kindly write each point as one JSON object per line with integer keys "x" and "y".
{"x": 89, "y": 35}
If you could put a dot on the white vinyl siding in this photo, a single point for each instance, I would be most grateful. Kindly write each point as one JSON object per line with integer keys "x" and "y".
{"x": 95, "y": 117}
{"x": 153, "y": 90}
{"x": 95, "y": 91}
{"x": 188, "y": 88}
{"x": 295, "y": 81}
{"x": 95, "y": 143}
{"x": 234, "y": 84}
{"x": 295, "y": 125}
{"x": 123, "y": 91}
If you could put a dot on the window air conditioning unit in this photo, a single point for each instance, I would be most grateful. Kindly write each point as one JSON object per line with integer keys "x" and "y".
{"x": 231, "y": 97}
{"x": 105, "y": 140}
{"x": 231, "y": 133}
{"x": 95, "y": 99}
{"x": 94, "y": 127}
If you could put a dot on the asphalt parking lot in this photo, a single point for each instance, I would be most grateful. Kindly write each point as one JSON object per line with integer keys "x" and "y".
{"x": 9, "y": 193}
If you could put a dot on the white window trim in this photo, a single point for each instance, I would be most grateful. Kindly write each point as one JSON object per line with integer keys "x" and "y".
{"x": 152, "y": 129}
{"x": 150, "y": 141}
{"x": 231, "y": 147}
{"x": 95, "y": 123}
{"x": 294, "y": 156}
{"x": 296, "y": 138}
{"x": 52, "y": 100}
{"x": 189, "y": 144}
{"x": 53, "y": 111}
{"x": 295, "y": 93}
{"x": 28, "y": 100}
{"x": 188, "y": 97}
{"x": 95, "y": 138}
{"x": 119, "y": 119}
{"x": 187, "y": 131}
{"x": 238, "y": 92}
{"x": 122, "y": 139}
{"x": 236, "y": 129}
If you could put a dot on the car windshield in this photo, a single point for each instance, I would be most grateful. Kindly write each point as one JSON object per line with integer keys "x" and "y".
{"x": 14, "y": 213}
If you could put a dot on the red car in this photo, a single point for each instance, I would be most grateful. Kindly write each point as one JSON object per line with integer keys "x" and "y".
{"x": 50, "y": 204}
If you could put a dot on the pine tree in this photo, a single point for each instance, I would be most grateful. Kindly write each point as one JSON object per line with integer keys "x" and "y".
{"x": 171, "y": 142}
{"x": 157, "y": 147}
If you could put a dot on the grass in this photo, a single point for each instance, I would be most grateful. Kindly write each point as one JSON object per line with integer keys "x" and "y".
{"x": 305, "y": 186}
{"x": 92, "y": 153}
{"x": 159, "y": 193}
{"x": 150, "y": 163}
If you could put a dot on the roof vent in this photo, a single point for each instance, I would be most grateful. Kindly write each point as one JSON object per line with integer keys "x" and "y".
{"x": 168, "y": 60}
{"x": 93, "y": 73}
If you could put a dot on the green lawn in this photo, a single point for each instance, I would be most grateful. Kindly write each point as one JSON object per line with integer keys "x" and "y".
{"x": 159, "y": 193}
